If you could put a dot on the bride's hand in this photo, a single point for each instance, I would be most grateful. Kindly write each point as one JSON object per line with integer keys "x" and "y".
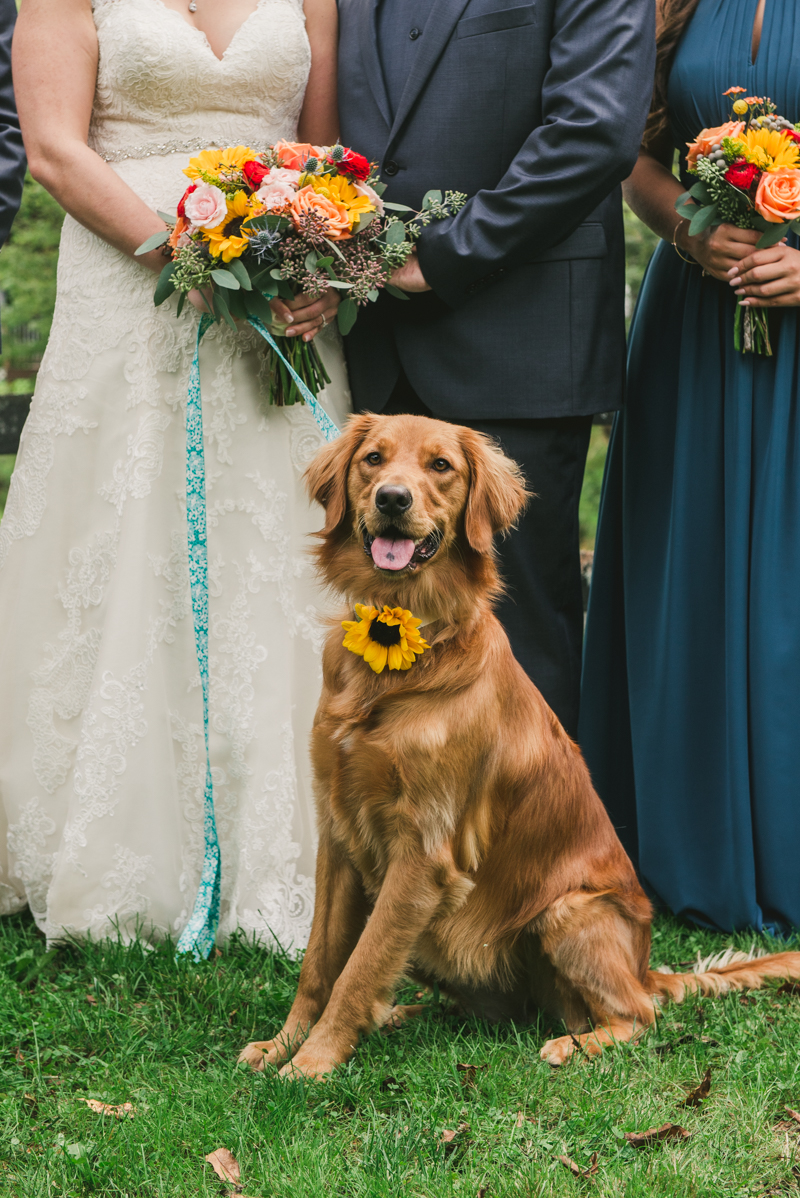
{"x": 718, "y": 249}
{"x": 304, "y": 315}
{"x": 768, "y": 278}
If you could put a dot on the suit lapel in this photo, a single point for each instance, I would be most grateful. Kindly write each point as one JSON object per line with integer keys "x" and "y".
{"x": 372, "y": 62}
{"x": 439, "y": 26}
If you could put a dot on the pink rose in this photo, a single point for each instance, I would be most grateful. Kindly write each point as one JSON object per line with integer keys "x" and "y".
{"x": 206, "y": 207}
{"x": 278, "y": 189}
{"x": 364, "y": 189}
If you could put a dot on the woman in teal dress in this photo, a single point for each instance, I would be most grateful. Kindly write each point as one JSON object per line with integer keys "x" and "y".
{"x": 690, "y": 717}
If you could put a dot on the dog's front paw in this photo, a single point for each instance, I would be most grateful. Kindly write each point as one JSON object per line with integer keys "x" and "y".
{"x": 315, "y": 1062}
{"x": 556, "y": 1052}
{"x": 261, "y": 1053}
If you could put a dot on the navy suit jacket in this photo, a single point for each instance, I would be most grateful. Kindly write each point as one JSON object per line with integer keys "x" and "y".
{"x": 12, "y": 152}
{"x": 535, "y": 109}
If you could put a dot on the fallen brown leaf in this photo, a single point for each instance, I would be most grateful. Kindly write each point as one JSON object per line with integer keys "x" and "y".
{"x": 699, "y": 1093}
{"x": 225, "y": 1165}
{"x": 790, "y": 988}
{"x": 667, "y": 1131}
{"x": 576, "y": 1170}
{"x": 792, "y": 1114}
{"x": 449, "y": 1137}
{"x": 125, "y": 1110}
{"x": 18, "y": 1056}
{"x": 468, "y": 1074}
{"x": 92, "y": 998}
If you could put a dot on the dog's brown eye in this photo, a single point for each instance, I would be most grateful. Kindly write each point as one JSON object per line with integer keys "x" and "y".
{"x": 441, "y": 464}
{"x": 374, "y": 459}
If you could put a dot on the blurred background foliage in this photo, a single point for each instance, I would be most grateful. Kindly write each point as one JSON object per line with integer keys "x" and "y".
{"x": 28, "y": 265}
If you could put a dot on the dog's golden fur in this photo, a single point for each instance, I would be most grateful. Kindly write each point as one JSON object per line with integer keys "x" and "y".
{"x": 461, "y": 840}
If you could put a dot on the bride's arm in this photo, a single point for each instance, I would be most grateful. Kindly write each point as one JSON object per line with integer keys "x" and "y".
{"x": 319, "y": 119}
{"x": 55, "y": 68}
{"x": 651, "y": 191}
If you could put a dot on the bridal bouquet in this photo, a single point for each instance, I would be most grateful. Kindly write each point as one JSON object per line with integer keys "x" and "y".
{"x": 748, "y": 173}
{"x": 292, "y": 218}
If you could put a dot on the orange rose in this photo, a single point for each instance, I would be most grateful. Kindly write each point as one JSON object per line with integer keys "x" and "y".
{"x": 175, "y": 240}
{"x": 294, "y": 154}
{"x": 335, "y": 215}
{"x": 711, "y": 137}
{"x": 778, "y": 195}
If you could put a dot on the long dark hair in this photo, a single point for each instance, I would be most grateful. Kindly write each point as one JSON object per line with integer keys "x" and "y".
{"x": 672, "y": 17}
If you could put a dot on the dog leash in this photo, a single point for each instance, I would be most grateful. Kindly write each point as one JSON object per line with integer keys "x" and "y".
{"x": 200, "y": 933}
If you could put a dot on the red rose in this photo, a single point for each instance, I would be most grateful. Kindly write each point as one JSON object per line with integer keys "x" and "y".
{"x": 353, "y": 164}
{"x": 254, "y": 173}
{"x": 182, "y": 203}
{"x": 792, "y": 133}
{"x": 742, "y": 174}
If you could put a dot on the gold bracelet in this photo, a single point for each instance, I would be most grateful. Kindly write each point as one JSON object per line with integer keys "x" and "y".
{"x": 691, "y": 261}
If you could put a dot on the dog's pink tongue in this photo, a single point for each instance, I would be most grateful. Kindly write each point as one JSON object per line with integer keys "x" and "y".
{"x": 392, "y": 555}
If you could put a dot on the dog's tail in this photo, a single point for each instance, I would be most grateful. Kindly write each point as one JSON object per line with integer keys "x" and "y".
{"x": 722, "y": 973}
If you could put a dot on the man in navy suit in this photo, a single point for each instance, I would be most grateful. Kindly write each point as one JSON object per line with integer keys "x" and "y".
{"x": 515, "y": 325}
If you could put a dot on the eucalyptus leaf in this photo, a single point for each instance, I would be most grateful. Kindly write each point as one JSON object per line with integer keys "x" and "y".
{"x": 339, "y": 285}
{"x": 311, "y": 261}
{"x": 396, "y": 292}
{"x": 222, "y": 310}
{"x": 276, "y": 273}
{"x": 285, "y": 291}
{"x": 324, "y": 263}
{"x": 346, "y": 316}
{"x": 181, "y": 302}
{"x": 773, "y": 235}
{"x": 258, "y": 306}
{"x": 397, "y": 207}
{"x": 235, "y": 302}
{"x": 380, "y": 188}
{"x": 700, "y": 192}
{"x": 335, "y": 248}
{"x": 687, "y": 210}
{"x": 703, "y": 219}
{"x": 795, "y": 226}
{"x": 365, "y": 219}
{"x": 165, "y": 285}
{"x": 373, "y": 295}
{"x": 153, "y": 242}
{"x": 239, "y": 270}
{"x": 395, "y": 234}
{"x": 224, "y": 278}
{"x": 165, "y": 216}
{"x": 431, "y": 197}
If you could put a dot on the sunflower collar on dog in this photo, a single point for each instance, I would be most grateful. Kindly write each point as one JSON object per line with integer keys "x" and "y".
{"x": 388, "y": 637}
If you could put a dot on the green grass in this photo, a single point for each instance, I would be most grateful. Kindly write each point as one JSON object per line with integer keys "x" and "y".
{"x": 592, "y": 484}
{"x": 124, "y": 1024}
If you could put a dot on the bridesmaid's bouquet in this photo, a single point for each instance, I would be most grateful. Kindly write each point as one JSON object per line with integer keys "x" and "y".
{"x": 748, "y": 173}
{"x": 293, "y": 218}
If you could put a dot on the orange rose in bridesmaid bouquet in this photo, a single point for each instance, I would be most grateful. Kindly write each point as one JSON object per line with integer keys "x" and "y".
{"x": 295, "y": 154}
{"x": 333, "y": 217}
{"x": 708, "y": 138}
{"x": 778, "y": 195}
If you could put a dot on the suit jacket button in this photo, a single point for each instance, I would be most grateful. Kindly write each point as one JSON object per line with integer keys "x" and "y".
{"x": 415, "y": 33}
{"x": 390, "y": 167}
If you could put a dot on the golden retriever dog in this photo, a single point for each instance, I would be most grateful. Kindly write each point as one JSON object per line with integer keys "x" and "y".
{"x": 460, "y": 839}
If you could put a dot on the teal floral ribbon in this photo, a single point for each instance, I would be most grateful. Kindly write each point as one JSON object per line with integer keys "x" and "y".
{"x": 200, "y": 933}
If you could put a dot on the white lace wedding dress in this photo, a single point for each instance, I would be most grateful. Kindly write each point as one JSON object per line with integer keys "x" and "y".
{"x": 101, "y": 737}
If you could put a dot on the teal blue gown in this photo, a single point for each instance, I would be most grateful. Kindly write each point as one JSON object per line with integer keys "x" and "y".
{"x": 690, "y": 711}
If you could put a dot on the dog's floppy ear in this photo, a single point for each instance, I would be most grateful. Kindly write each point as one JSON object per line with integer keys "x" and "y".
{"x": 497, "y": 491}
{"x": 326, "y": 477}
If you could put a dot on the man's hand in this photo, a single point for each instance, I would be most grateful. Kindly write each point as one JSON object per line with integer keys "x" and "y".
{"x": 409, "y": 276}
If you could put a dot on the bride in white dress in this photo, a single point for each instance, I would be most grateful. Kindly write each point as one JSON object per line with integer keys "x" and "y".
{"x": 102, "y": 760}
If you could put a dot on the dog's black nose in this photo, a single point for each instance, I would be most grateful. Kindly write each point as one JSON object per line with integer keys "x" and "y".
{"x": 393, "y": 501}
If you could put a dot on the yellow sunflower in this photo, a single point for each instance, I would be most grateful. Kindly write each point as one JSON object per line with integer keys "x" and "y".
{"x": 388, "y": 637}
{"x": 338, "y": 189}
{"x": 226, "y": 240}
{"x": 219, "y": 162}
{"x": 768, "y": 149}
